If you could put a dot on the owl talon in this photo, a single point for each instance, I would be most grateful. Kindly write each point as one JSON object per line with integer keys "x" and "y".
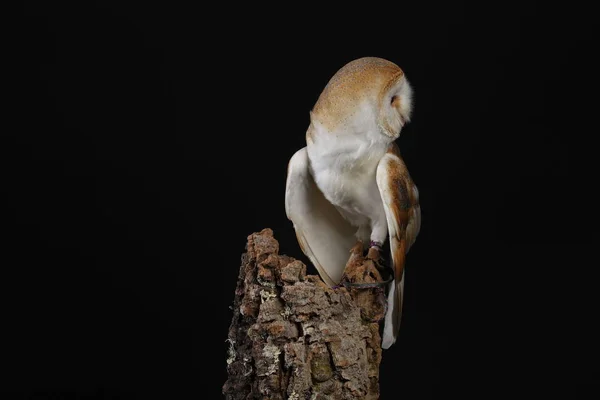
{"x": 374, "y": 254}
{"x": 370, "y": 285}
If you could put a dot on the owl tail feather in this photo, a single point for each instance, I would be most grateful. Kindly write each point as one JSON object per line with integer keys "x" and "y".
{"x": 393, "y": 314}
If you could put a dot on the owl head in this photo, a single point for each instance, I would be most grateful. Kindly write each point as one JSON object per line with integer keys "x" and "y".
{"x": 369, "y": 94}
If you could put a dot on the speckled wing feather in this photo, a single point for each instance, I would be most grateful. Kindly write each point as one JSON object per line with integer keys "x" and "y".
{"x": 323, "y": 234}
{"x": 403, "y": 213}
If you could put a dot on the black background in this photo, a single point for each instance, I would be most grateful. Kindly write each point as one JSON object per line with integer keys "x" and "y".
{"x": 144, "y": 142}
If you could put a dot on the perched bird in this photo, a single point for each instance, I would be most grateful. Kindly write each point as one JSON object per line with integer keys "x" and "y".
{"x": 350, "y": 183}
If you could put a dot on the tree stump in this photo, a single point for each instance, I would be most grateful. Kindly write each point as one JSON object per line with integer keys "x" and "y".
{"x": 293, "y": 337}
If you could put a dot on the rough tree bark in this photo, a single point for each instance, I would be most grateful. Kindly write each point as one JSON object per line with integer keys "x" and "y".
{"x": 293, "y": 337}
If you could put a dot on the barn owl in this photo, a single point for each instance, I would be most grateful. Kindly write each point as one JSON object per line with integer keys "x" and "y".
{"x": 349, "y": 183}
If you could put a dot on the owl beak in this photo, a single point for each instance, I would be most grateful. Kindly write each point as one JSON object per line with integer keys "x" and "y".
{"x": 405, "y": 118}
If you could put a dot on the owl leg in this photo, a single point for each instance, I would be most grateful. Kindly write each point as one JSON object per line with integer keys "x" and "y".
{"x": 379, "y": 287}
{"x": 378, "y": 238}
{"x": 363, "y": 234}
{"x": 374, "y": 254}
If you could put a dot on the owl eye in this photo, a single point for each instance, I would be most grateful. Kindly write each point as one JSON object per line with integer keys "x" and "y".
{"x": 394, "y": 101}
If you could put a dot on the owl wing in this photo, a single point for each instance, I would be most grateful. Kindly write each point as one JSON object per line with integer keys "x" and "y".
{"x": 323, "y": 234}
{"x": 403, "y": 213}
